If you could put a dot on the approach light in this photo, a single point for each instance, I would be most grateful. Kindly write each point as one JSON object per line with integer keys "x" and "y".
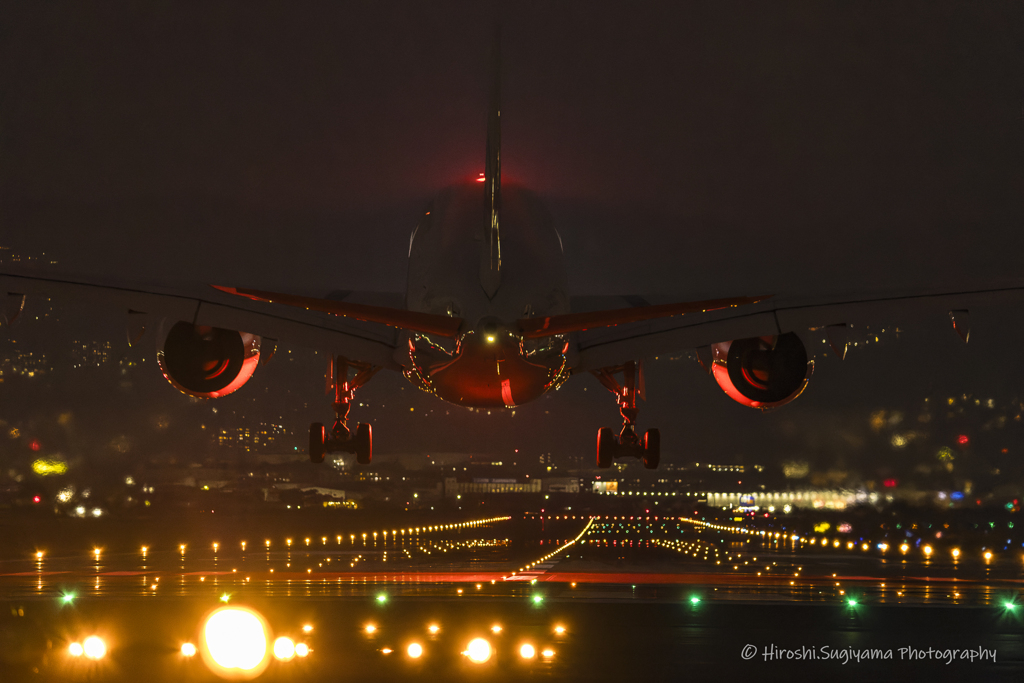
{"x": 415, "y": 650}
{"x": 234, "y": 643}
{"x": 527, "y": 651}
{"x": 284, "y": 649}
{"x": 188, "y": 650}
{"x": 478, "y": 650}
{"x": 94, "y": 648}
{"x": 956, "y": 553}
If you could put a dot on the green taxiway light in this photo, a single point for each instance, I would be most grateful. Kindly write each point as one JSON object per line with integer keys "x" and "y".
{"x": 1009, "y": 605}
{"x": 225, "y": 597}
{"x": 537, "y": 599}
{"x": 851, "y": 603}
{"x": 382, "y": 598}
{"x": 694, "y": 600}
{"x": 68, "y": 598}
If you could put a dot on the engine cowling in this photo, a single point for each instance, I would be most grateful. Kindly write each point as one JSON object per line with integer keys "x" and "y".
{"x": 762, "y": 372}
{"x": 206, "y": 362}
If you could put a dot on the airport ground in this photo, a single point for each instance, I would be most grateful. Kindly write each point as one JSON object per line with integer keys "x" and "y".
{"x": 638, "y": 597}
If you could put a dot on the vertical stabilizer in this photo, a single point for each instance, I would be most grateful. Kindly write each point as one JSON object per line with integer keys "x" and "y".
{"x": 490, "y": 257}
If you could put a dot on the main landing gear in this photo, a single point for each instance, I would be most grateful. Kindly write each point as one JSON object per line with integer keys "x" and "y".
{"x": 627, "y": 443}
{"x": 341, "y": 439}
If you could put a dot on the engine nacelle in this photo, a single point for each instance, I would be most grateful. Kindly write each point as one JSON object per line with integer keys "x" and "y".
{"x": 206, "y": 362}
{"x": 762, "y": 372}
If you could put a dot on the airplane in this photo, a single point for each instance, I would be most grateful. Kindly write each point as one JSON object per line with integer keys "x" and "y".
{"x": 486, "y": 321}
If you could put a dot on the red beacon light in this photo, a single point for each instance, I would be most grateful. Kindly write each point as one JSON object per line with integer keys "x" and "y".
{"x": 36, "y": 499}
{"x": 962, "y": 440}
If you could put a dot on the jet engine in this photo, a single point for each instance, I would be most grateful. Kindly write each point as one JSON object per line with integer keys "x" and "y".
{"x": 762, "y": 372}
{"x": 206, "y": 362}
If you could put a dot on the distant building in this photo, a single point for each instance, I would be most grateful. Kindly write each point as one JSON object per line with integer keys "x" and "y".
{"x": 454, "y": 487}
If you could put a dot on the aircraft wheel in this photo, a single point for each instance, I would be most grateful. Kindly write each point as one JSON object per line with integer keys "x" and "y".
{"x": 317, "y": 442}
{"x": 652, "y": 449}
{"x": 606, "y": 445}
{"x": 363, "y": 443}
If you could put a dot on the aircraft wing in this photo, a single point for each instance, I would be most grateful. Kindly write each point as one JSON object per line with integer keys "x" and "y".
{"x": 203, "y": 305}
{"x": 610, "y": 346}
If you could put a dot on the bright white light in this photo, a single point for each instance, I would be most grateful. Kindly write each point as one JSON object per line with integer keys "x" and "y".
{"x": 559, "y": 630}
{"x": 188, "y": 650}
{"x": 415, "y": 650}
{"x": 527, "y": 651}
{"x": 284, "y": 649}
{"x": 302, "y": 650}
{"x": 94, "y": 647}
{"x": 433, "y": 628}
{"x": 307, "y": 628}
{"x": 548, "y": 653}
{"x": 235, "y": 639}
{"x": 370, "y": 628}
{"x": 478, "y": 650}
{"x": 76, "y": 650}
{"x": 495, "y": 629}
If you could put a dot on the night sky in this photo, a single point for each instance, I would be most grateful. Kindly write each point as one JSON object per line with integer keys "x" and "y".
{"x": 687, "y": 149}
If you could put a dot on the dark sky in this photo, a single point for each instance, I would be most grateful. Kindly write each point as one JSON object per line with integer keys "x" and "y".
{"x": 700, "y": 148}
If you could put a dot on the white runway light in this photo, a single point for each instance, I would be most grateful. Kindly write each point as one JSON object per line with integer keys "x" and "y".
{"x": 284, "y": 649}
{"x": 94, "y": 647}
{"x": 478, "y": 650}
{"x": 235, "y": 643}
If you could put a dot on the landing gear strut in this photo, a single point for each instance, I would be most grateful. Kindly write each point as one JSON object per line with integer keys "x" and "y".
{"x": 627, "y": 443}
{"x": 341, "y": 439}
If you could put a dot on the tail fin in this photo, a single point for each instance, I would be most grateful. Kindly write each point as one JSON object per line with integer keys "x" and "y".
{"x": 490, "y": 257}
